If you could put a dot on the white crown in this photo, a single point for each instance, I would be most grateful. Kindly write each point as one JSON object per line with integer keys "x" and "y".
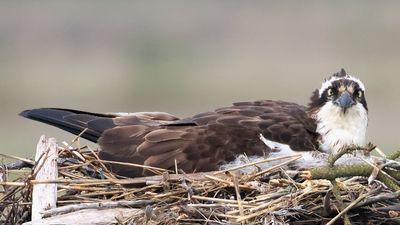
{"x": 329, "y": 82}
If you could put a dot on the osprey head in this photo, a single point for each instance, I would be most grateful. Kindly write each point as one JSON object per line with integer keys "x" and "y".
{"x": 340, "y": 110}
{"x": 343, "y": 90}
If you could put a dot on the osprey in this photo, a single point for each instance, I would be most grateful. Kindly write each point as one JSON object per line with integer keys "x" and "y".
{"x": 336, "y": 117}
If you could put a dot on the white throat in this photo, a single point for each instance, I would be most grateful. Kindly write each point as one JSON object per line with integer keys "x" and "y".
{"x": 338, "y": 129}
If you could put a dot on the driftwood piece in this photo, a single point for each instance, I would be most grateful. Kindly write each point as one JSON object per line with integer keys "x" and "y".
{"x": 44, "y": 196}
{"x": 90, "y": 217}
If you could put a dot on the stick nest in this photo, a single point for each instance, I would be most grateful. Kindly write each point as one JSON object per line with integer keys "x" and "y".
{"x": 272, "y": 196}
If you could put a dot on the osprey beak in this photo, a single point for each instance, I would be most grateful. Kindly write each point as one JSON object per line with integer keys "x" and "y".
{"x": 344, "y": 101}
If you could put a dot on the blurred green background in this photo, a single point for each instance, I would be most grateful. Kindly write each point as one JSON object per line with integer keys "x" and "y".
{"x": 186, "y": 57}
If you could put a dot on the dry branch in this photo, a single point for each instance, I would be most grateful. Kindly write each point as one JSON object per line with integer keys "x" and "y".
{"x": 331, "y": 173}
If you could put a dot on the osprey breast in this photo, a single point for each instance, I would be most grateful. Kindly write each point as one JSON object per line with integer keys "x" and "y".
{"x": 339, "y": 129}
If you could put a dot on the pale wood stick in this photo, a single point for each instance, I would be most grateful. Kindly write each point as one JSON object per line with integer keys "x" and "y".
{"x": 227, "y": 182}
{"x": 132, "y": 191}
{"x": 262, "y": 206}
{"x": 238, "y": 197}
{"x": 247, "y": 217}
{"x": 13, "y": 183}
{"x": 67, "y": 181}
{"x": 85, "y": 188}
{"x": 216, "y": 205}
{"x": 102, "y": 193}
{"x": 266, "y": 197}
{"x": 380, "y": 152}
{"x": 31, "y": 162}
{"x": 96, "y": 205}
{"x": 133, "y": 165}
{"x": 44, "y": 196}
{"x": 168, "y": 194}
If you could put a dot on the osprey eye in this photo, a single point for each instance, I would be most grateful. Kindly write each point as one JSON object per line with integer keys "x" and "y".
{"x": 330, "y": 92}
{"x": 359, "y": 94}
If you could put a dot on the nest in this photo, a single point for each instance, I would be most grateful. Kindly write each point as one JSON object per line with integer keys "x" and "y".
{"x": 274, "y": 195}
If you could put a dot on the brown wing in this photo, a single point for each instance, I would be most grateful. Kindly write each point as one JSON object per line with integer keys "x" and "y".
{"x": 205, "y": 141}
{"x": 199, "y": 143}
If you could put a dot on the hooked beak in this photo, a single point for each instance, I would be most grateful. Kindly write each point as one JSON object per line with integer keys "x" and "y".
{"x": 345, "y": 101}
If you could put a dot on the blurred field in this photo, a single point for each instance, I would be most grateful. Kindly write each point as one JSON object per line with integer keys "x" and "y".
{"x": 186, "y": 57}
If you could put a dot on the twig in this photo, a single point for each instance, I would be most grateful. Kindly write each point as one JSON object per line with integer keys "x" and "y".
{"x": 134, "y": 165}
{"x": 231, "y": 184}
{"x": 104, "y": 167}
{"x": 11, "y": 183}
{"x": 380, "y": 152}
{"x": 216, "y": 205}
{"x": 86, "y": 188}
{"x": 30, "y": 162}
{"x": 238, "y": 197}
{"x": 273, "y": 168}
{"x": 217, "y": 200}
{"x": 347, "y": 150}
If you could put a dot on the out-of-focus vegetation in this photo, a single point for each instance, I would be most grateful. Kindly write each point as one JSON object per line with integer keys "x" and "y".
{"x": 186, "y": 57}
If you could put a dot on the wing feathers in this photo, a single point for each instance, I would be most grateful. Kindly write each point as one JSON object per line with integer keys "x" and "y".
{"x": 147, "y": 149}
{"x": 163, "y": 135}
{"x": 72, "y": 121}
{"x": 199, "y": 143}
{"x": 165, "y": 160}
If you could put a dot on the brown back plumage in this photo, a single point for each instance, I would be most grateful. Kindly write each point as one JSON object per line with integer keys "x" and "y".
{"x": 199, "y": 143}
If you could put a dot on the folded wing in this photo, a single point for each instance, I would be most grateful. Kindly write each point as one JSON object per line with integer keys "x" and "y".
{"x": 199, "y": 143}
